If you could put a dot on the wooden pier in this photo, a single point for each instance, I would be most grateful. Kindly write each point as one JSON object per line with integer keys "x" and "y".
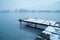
{"x": 40, "y": 22}
{"x": 46, "y": 34}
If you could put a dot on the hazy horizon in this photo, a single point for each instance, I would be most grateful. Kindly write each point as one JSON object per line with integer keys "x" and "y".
{"x": 30, "y": 4}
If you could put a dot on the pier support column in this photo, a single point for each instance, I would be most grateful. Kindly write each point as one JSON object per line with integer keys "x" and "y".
{"x": 35, "y": 25}
{"x": 20, "y": 23}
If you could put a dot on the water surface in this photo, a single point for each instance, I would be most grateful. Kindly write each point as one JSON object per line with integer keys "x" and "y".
{"x": 10, "y": 28}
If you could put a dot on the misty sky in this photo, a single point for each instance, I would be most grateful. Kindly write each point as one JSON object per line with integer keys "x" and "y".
{"x": 30, "y": 4}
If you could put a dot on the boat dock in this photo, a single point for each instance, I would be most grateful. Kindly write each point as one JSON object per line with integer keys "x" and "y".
{"x": 52, "y": 28}
{"x": 40, "y": 22}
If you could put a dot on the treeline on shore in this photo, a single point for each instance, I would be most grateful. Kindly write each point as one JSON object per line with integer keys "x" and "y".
{"x": 25, "y": 10}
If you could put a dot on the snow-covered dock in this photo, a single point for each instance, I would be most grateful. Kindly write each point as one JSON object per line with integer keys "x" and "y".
{"x": 40, "y": 22}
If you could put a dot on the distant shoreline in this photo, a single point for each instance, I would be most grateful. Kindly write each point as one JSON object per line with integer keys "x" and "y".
{"x": 18, "y": 11}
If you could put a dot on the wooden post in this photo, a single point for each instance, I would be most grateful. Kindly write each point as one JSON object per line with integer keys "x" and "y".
{"x": 20, "y": 23}
{"x": 35, "y": 25}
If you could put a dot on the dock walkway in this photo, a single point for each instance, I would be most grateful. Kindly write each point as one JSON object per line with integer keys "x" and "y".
{"x": 49, "y": 32}
{"x": 40, "y": 22}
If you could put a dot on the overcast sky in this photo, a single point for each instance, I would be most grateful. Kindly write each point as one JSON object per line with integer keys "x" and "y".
{"x": 30, "y": 4}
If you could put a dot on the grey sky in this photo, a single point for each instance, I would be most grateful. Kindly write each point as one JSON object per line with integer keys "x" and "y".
{"x": 30, "y": 4}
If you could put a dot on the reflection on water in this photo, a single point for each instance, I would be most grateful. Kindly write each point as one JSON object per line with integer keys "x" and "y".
{"x": 10, "y": 28}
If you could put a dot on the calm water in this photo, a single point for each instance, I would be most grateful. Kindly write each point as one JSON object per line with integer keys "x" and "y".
{"x": 10, "y": 28}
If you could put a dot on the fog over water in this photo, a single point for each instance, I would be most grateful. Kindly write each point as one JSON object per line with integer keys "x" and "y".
{"x": 30, "y": 4}
{"x": 10, "y": 28}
